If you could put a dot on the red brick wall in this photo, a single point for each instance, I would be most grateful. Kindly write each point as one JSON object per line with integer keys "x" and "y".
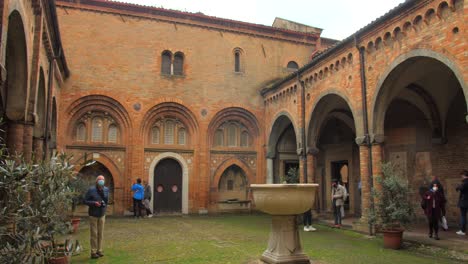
{"x": 121, "y": 57}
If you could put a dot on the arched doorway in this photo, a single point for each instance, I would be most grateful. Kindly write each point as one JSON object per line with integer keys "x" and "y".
{"x": 168, "y": 186}
{"x": 89, "y": 173}
{"x": 232, "y": 188}
{"x": 420, "y": 108}
{"x": 282, "y": 150}
{"x": 14, "y": 95}
{"x": 332, "y": 131}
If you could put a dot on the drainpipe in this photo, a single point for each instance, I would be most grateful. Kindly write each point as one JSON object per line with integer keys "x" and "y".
{"x": 49, "y": 101}
{"x": 362, "y": 67}
{"x": 303, "y": 134}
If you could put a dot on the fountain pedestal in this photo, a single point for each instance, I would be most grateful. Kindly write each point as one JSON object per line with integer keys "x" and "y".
{"x": 284, "y": 202}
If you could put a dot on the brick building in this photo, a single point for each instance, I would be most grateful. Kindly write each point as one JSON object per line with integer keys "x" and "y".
{"x": 201, "y": 106}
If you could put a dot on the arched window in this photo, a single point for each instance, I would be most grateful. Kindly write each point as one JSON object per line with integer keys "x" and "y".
{"x": 292, "y": 65}
{"x": 244, "y": 139}
{"x": 169, "y": 132}
{"x": 232, "y": 135}
{"x": 181, "y": 137}
{"x": 112, "y": 134}
{"x": 219, "y": 137}
{"x": 179, "y": 63}
{"x": 97, "y": 125}
{"x": 155, "y": 135}
{"x": 166, "y": 62}
{"x": 81, "y": 132}
{"x": 238, "y": 60}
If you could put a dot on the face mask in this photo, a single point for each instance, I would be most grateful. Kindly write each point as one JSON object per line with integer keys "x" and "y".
{"x": 435, "y": 189}
{"x": 100, "y": 182}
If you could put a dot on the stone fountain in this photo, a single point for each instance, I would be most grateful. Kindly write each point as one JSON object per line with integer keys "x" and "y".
{"x": 283, "y": 202}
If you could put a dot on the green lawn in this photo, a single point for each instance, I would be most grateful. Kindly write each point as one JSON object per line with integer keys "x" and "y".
{"x": 235, "y": 239}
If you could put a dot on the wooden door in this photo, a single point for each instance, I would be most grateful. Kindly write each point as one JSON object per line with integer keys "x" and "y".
{"x": 168, "y": 187}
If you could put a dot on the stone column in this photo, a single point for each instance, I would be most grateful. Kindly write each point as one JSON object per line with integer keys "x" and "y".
{"x": 38, "y": 146}
{"x": 269, "y": 170}
{"x": 302, "y": 163}
{"x": 15, "y": 137}
{"x": 365, "y": 183}
{"x": 28, "y": 141}
{"x": 377, "y": 158}
{"x": 311, "y": 164}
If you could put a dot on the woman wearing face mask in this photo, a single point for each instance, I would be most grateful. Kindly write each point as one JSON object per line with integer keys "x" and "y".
{"x": 433, "y": 204}
{"x": 97, "y": 198}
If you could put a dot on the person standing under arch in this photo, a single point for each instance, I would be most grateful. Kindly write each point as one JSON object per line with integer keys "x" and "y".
{"x": 97, "y": 198}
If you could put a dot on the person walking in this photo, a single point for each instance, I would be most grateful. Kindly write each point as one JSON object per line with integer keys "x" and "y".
{"x": 337, "y": 201}
{"x": 147, "y": 199}
{"x": 435, "y": 180}
{"x": 433, "y": 205}
{"x": 97, "y": 198}
{"x": 138, "y": 195}
{"x": 463, "y": 202}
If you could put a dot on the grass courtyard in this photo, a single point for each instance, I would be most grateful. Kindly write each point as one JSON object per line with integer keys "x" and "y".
{"x": 236, "y": 239}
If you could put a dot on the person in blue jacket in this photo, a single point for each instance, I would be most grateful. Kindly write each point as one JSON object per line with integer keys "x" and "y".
{"x": 138, "y": 195}
{"x": 97, "y": 198}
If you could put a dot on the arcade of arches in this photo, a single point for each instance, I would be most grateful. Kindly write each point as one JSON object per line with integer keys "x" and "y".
{"x": 202, "y": 128}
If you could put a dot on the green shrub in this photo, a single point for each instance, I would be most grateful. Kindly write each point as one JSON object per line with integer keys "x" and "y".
{"x": 392, "y": 202}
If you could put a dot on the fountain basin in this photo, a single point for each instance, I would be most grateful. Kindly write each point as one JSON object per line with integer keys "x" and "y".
{"x": 284, "y": 199}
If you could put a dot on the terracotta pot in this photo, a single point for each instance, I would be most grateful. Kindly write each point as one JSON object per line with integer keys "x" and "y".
{"x": 392, "y": 238}
{"x": 75, "y": 223}
{"x": 59, "y": 260}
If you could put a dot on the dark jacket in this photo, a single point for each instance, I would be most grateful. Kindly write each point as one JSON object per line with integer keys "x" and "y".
{"x": 147, "y": 193}
{"x": 94, "y": 195}
{"x": 463, "y": 198}
{"x": 434, "y": 204}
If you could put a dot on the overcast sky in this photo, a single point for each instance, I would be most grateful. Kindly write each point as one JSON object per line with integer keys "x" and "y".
{"x": 338, "y": 18}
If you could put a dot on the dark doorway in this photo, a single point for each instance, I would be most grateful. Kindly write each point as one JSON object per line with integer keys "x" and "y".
{"x": 339, "y": 171}
{"x": 89, "y": 174}
{"x": 168, "y": 187}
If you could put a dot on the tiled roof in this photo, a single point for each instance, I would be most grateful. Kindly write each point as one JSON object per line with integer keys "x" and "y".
{"x": 324, "y": 54}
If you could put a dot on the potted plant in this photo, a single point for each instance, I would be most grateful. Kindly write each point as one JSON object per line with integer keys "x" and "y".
{"x": 393, "y": 208}
{"x": 292, "y": 176}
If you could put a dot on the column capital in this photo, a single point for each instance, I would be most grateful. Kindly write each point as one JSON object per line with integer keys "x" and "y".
{"x": 371, "y": 139}
{"x": 299, "y": 151}
{"x": 270, "y": 155}
{"x": 362, "y": 141}
{"x": 314, "y": 151}
{"x": 376, "y": 139}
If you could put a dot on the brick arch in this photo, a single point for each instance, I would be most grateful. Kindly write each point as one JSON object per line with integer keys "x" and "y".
{"x": 171, "y": 109}
{"x": 249, "y": 174}
{"x": 17, "y": 68}
{"x": 239, "y": 114}
{"x": 102, "y": 103}
{"x": 378, "y": 106}
{"x": 108, "y": 163}
{"x": 117, "y": 178}
{"x": 276, "y": 129}
{"x": 321, "y": 111}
